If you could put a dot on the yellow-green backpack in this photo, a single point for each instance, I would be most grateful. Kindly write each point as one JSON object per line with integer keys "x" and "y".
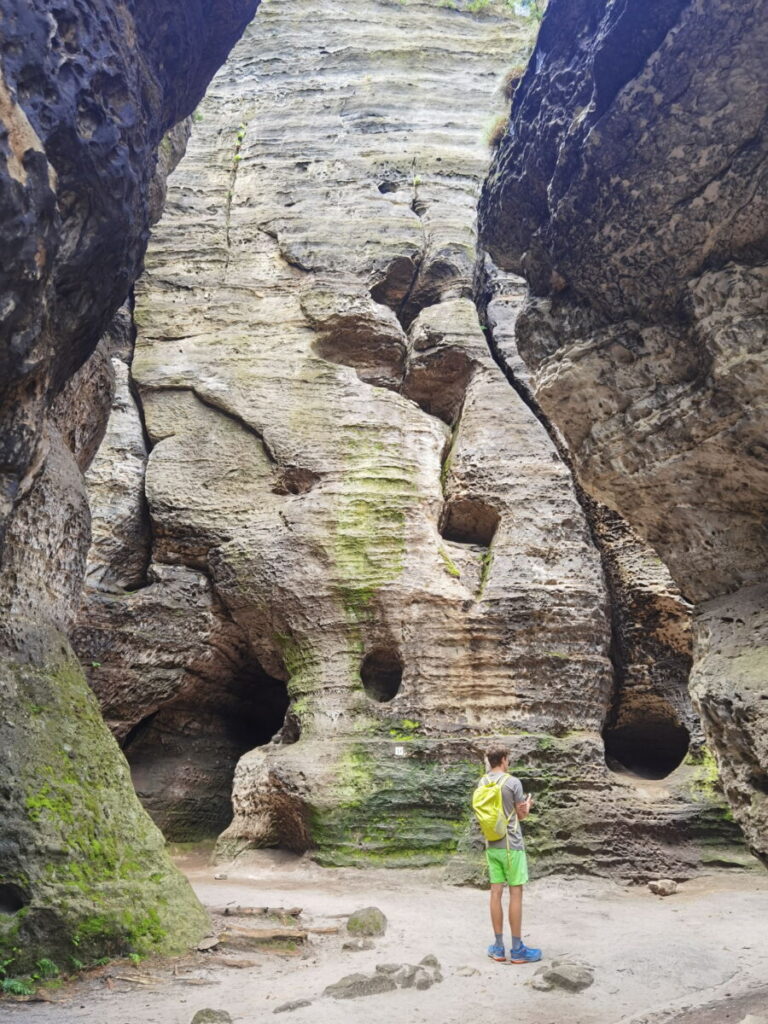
{"x": 488, "y": 805}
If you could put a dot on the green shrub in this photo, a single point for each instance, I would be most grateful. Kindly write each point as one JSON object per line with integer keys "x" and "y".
{"x": 16, "y": 987}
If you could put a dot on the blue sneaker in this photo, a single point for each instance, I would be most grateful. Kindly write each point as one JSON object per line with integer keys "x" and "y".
{"x": 524, "y": 955}
{"x": 497, "y": 953}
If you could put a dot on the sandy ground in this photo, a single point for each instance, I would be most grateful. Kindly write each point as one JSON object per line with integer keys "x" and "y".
{"x": 698, "y": 957}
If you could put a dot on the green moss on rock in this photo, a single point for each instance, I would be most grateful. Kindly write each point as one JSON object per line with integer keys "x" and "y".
{"x": 86, "y": 861}
{"x": 394, "y": 811}
{"x": 369, "y": 528}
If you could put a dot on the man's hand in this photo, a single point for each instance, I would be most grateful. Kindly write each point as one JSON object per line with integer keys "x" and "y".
{"x": 523, "y": 809}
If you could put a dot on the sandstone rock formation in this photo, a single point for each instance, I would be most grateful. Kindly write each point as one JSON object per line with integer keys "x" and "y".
{"x": 346, "y": 496}
{"x": 87, "y": 93}
{"x": 630, "y": 189}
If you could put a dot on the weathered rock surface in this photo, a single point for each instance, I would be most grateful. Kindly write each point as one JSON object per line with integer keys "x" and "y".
{"x": 86, "y": 97}
{"x": 292, "y": 1004}
{"x": 87, "y": 92}
{"x": 729, "y": 682}
{"x": 383, "y": 519}
{"x": 368, "y": 921}
{"x": 563, "y": 974}
{"x": 663, "y": 886}
{"x": 352, "y": 986}
{"x": 631, "y": 192}
{"x": 651, "y": 723}
{"x": 209, "y": 1016}
{"x": 387, "y": 978}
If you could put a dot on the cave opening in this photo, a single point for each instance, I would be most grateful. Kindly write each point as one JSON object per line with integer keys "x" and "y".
{"x": 183, "y": 756}
{"x": 12, "y": 898}
{"x": 469, "y": 521}
{"x": 382, "y": 674}
{"x": 650, "y": 748}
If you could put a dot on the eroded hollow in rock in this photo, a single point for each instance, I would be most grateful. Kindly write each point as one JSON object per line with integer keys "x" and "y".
{"x": 377, "y": 357}
{"x": 650, "y": 748}
{"x": 410, "y": 284}
{"x": 183, "y": 756}
{"x": 395, "y": 285}
{"x": 469, "y": 521}
{"x": 382, "y": 673}
{"x": 295, "y": 480}
{"x": 12, "y": 898}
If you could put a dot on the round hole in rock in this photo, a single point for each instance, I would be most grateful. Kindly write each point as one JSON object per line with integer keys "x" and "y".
{"x": 12, "y": 898}
{"x": 382, "y": 674}
{"x": 650, "y": 749}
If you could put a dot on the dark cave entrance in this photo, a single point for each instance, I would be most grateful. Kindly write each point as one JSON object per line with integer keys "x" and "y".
{"x": 183, "y": 756}
{"x": 650, "y": 748}
{"x": 382, "y": 674}
{"x": 12, "y": 898}
{"x": 469, "y": 521}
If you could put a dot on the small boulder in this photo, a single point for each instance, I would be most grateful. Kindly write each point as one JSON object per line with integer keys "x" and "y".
{"x": 357, "y": 945}
{"x": 388, "y": 968}
{"x": 293, "y": 1004}
{"x": 663, "y": 886}
{"x": 406, "y": 976}
{"x": 430, "y": 960}
{"x": 208, "y": 1016}
{"x": 422, "y": 979}
{"x": 467, "y": 971}
{"x": 540, "y": 983}
{"x": 568, "y": 976}
{"x": 352, "y": 986}
{"x": 367, "y": 922}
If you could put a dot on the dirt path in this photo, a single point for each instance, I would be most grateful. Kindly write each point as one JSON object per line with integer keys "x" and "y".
{"x": 686, "y": 958}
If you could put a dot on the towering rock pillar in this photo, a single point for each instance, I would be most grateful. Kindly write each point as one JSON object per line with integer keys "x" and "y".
{"x": 87, "y": 92}
{"x": 630, "y": 189}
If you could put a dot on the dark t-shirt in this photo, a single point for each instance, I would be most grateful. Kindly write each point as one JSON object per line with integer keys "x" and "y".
{"x": 511, "y": 794}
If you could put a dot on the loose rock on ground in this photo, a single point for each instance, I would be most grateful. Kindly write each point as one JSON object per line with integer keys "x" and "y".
{"x": 368, "y": 921}
{"x": 388, "y": 977}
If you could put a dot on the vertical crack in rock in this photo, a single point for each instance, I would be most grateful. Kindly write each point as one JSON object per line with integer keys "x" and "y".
{"x": 650, "y": 724}
{"x": 237, "y": 156}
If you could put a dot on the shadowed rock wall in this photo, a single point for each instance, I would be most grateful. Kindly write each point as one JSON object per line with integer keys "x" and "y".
{"x": 631, "y": 190}
{"x": 87, "y": 93}
{"x": 362, "y": 504}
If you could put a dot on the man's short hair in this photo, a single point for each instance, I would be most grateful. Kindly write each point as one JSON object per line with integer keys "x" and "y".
{"x": 496, "y": 755}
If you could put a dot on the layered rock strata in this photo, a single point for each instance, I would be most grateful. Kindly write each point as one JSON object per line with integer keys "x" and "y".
{"x": 365, "y": 502}
{"x": 87, "y": 93}
{"x": 630, "y": 189}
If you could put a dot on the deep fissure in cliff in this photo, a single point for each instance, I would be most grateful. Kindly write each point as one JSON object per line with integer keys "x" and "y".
{"x": 642, "y": 735}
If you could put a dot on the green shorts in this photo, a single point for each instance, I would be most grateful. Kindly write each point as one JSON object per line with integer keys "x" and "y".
{"x": 507, "y": 867}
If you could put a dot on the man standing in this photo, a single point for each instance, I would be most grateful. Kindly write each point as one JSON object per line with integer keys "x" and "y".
{"x": 507, "y": 863}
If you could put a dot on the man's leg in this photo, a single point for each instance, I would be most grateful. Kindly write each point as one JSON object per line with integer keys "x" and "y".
{"x": 515, "y": 912}
{"x": 497, "y": 914}
{"x": 498, "y": 881}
